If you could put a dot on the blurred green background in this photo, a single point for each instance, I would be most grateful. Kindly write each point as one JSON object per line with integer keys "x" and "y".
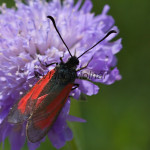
{"x": 118, "y": 118}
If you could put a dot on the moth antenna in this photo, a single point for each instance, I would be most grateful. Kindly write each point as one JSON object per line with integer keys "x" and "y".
{"x": 110, "y": 32}
{"x": 53, "y": 21}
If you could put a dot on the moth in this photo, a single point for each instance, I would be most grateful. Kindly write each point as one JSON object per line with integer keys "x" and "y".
{"x": 43, "y": 103}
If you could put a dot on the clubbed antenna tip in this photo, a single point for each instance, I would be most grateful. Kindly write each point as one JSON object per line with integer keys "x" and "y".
{"x": 53, "y": 21}
{"x": 110, "y": 32}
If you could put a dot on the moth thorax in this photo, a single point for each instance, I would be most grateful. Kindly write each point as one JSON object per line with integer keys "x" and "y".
{"x": 72, "y": 62}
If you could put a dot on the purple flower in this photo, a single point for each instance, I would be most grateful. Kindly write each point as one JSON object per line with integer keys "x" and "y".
{"x": 26, "y": 36}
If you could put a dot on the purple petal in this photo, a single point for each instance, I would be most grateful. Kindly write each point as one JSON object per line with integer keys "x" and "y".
{"x": 76, "y": 7}
{"x": 4, "y": 113}
{"x": 5, "y": 130}
{"x": 75, "y": 119}
{"x": 105, "y": 9}
{"x": 68, "y": 134}
{"x": 87, "y": 87}
{"x": 33, "y": 146}
{"x": 117, "y": 46}
{"x": 58, "y": 140}
{"x": 17, "y": 140}
{"x": 76, "y": 93}
{"x": 114, "y": 75}
{"x": 87, "y": 6}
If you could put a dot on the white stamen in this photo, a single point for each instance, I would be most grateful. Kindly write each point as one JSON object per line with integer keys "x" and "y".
{"x": 17, "y": 73}
{"x": 9, "y": 74}
{"x": 107, "y": 58}
{"x": 101, "y": 23}
{"x": 30, "y": 85}
{"x": 2, "y": 78}
{"x": 21, "y": 93}
{"x": 26, "y": 73}
{"x": 36, "y": 66}
{"x": 1, "y": 97}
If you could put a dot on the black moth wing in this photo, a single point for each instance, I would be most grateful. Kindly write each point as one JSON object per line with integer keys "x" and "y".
{"x": 22, "y": 110}
{"x": 50, "y": 104}
{"x": 47, "y": 111}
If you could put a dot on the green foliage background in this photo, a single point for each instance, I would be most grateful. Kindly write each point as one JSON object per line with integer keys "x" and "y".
{"x": 118, "y": 118}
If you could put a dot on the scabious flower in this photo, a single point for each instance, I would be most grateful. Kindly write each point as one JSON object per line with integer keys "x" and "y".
{"x": 26, "y": 36}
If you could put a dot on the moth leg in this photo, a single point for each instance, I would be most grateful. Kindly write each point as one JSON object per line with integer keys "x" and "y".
{"x": 85, "y": 65}
{"x": 47, "y": 65}
{"x": 83, "y": 78}
{"x": 37, "y": 74}
{"x": 61, "y": 59}
{"x": 76, "y": 85}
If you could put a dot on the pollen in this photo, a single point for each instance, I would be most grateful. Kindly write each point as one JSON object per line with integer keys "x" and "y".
{"x": 2, "y": 79}
{"x": 30, "y": 85}
{"x": 20, "y": 92}
{"x": 1, "y": 97}
{"x": 9, "y": 74}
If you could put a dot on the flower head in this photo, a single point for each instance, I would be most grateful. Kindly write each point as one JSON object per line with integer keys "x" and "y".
{"x": 27, "y": 36}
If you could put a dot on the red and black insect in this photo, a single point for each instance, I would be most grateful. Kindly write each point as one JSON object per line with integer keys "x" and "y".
{"x": 41, "y": 106}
